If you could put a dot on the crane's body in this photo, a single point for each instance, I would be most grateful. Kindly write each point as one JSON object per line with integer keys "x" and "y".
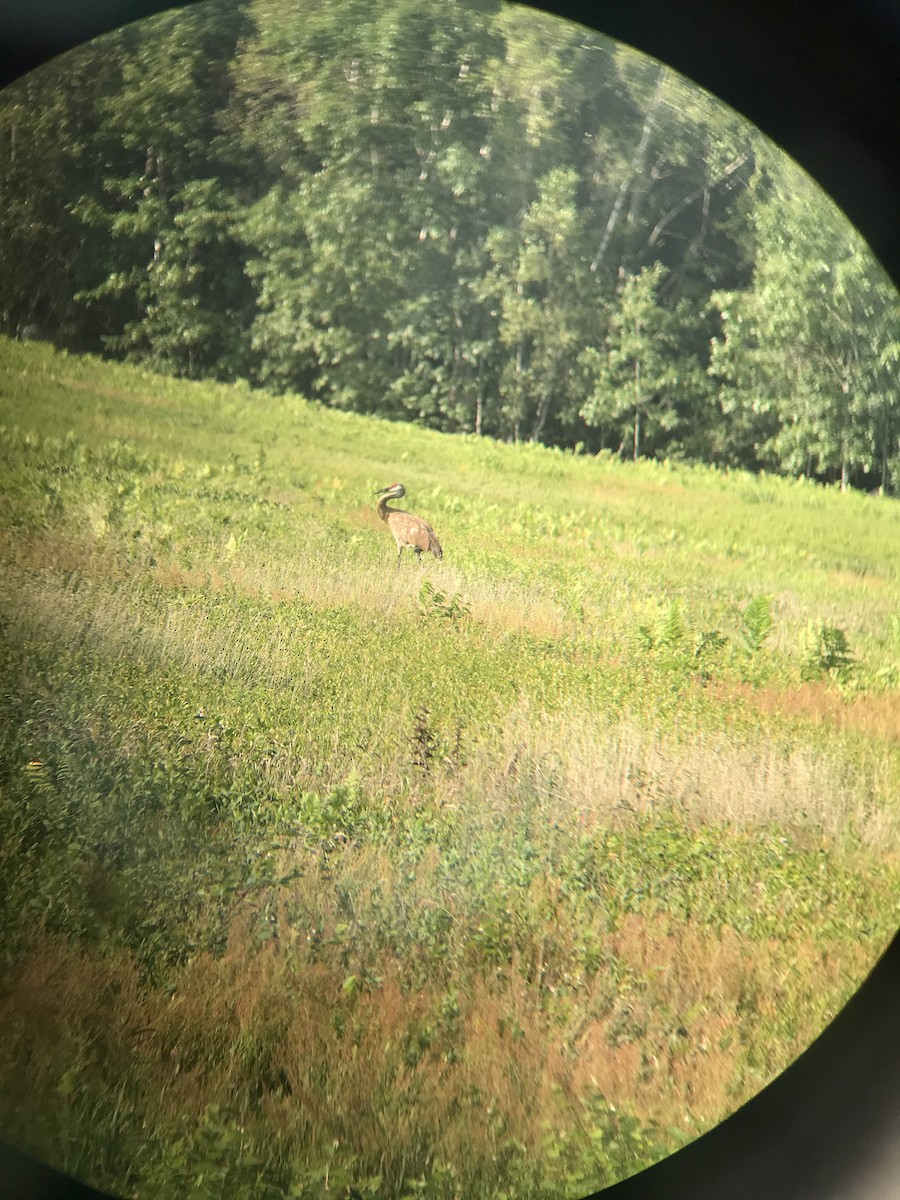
{"x": 410, "y": 533}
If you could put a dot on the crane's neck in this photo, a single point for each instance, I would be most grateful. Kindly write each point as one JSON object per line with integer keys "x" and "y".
{"x": 383, "y": 511}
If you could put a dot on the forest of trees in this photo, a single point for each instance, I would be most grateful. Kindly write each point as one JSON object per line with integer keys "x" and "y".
{"x": 470, "y": 215}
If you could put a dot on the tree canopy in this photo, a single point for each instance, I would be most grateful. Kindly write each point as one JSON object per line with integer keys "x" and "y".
{"x": 473, "y": 215}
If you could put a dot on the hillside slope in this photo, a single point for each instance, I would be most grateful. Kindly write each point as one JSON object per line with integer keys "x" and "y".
{"x": 508, "y": 871}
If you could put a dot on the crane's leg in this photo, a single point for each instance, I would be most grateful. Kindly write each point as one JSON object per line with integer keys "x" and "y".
{"x": 399, "y": 552}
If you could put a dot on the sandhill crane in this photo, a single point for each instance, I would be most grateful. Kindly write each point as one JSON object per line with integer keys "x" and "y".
{"x": 410, "y": 533}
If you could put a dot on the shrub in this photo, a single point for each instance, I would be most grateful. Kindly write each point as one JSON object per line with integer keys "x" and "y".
{"x": 757, "y": 622}
{"x": 827, "y": 653}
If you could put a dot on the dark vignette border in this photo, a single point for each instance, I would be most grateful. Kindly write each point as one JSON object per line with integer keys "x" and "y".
{"x": 822, "y": 79}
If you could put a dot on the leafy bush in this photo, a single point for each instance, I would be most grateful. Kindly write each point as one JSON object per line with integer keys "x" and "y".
{"x": 602, "y": 1145}
{"x": 435, "y": 603}
{"x": 757, "y": 622}
{"x": 827, "y": 653}
{"x": 208, "y": 1161}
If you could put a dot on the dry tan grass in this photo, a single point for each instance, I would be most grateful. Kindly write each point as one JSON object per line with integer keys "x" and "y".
{"x": 275, "y": 1038}
{"x": 592, "y": 766}
{"x": 875, "y": 714}
{"x": 686, "y": 1071}
{"x": 499, "y": 605}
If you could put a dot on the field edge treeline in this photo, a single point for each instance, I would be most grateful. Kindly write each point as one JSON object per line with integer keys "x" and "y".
{"x": 473, "y": 216}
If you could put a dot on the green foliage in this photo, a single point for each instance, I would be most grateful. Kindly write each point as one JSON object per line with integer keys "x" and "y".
{"x": 605, "y": 1145}
{"x": 279, "y": 823}
{"x": 661, "y": 862}
{"x": 799, "y": 342}
{"x": 543, "y": 300}
{"x": 206, "y": 1159}
{"x": 757, "y": 622}
{"x": 676, "y": 646}
{"x": 345, "y": 813}
{"x": 435, "y": 603}
{"x": 467, "y": 215}
{"x": 827, "y": 652}
{"x": 644, "y": 374}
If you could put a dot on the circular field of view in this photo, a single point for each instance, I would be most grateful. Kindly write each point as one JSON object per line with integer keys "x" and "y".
{"x": 502, "y": 847}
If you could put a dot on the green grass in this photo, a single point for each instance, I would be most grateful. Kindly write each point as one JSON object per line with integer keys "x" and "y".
{"x": 505, "y": 875}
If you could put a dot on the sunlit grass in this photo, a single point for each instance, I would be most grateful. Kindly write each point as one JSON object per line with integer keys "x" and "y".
{"x": 308, "y": 856}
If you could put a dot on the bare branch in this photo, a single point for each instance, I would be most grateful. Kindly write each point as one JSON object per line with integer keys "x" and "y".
{"x": 637, "y": 160}
{"x": 670, "y": 216}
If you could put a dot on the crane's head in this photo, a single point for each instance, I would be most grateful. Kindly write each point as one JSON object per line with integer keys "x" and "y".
{"x": 394, "y": 492}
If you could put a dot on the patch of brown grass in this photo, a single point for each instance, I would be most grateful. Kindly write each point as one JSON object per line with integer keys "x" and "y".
{"x": 386, "y": 1071}
{"x": 853, "y": 581}
{"x": 52, "y": 552}
{"x": 588, "y": 766}
{"x": 200, "y": 576}
{"x": 670, "y": 1044}
{"x": 677, "y": 1044}
{"x": 876, "y": 714}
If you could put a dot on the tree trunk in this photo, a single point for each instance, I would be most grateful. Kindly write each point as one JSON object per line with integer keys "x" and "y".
{"x": 884, "y": 454}
{"x": 543, "y": 405}
{"x": 479, "y": 399}
{"x": 637, "y": 403}
{"x": 636, "y": 168}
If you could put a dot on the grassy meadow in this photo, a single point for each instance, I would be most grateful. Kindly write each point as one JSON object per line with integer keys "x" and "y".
{"x": 503, "y": 875}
